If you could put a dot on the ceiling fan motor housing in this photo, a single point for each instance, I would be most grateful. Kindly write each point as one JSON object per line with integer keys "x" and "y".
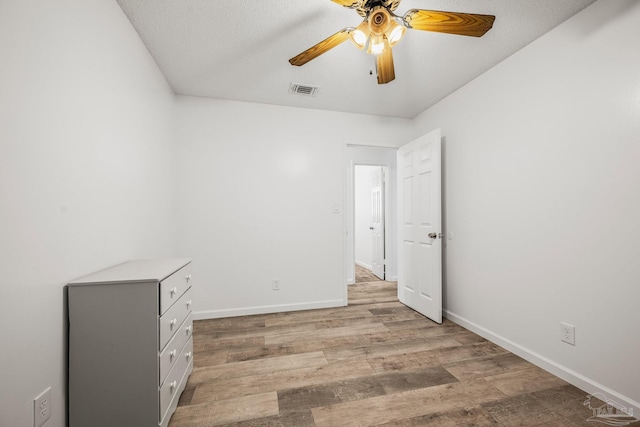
{"x": 379, "y": 20}
{"x": 364, "y": 7}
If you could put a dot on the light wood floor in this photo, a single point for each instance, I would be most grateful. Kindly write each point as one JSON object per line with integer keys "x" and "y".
{"x": 373, "y": 363}
{"x": 364, "y": 275}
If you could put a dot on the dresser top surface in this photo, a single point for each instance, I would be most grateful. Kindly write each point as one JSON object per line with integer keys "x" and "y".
{"x": 142, "y": 270}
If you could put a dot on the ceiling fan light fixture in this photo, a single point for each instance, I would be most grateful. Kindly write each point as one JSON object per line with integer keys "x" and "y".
{"x": 376, "y": 44}
{"x": 396, "y": 33}
{"x": 360, "y": 35}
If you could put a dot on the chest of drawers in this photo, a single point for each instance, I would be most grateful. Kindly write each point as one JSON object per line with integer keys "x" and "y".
{"x": 130, "y": 349}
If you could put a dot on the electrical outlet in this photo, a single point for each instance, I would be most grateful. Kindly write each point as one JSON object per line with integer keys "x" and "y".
{"x": 568, "y": 333}
{"x": 42, "y": 408}
{"x": 276, "y": 285}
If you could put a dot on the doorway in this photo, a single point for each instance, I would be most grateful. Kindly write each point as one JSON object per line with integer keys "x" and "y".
{"x": 369, "y": 222}
{"x": 382, "y": 157}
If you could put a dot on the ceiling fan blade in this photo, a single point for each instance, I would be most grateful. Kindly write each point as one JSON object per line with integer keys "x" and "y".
{"x": 384, "y": 65}
{"x": 465, "y": 24}
{"x": 320, "y": 48}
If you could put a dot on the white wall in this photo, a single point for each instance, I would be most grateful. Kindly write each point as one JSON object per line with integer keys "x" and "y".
{"x": 258, "y": 185}
{"x": 542, "y": 194}
{"x": 87, "y": 177}
{"x": 363, "y": 185}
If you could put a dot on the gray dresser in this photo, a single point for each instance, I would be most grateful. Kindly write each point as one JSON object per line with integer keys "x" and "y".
{"x": 130, "y": 346}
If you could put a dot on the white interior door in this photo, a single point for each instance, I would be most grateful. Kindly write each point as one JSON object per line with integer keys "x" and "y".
{"x": 377, "y": 219}
{"x": 420, "y": 225}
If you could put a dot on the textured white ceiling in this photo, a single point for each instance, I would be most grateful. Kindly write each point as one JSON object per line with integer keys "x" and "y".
{"x": 239, "y": 50}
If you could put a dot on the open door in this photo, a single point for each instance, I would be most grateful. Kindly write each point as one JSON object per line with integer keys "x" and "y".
{"x": 420, "y": 225}
{"x": 377, "y": 220}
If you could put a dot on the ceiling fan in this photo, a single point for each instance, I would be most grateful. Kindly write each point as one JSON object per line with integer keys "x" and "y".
{"x": 382, "y": 29}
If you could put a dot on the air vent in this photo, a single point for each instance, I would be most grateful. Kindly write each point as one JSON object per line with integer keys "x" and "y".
{"x": 305, "y": 90}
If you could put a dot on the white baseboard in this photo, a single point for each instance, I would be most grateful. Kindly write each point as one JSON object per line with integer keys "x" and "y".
{"x": 280, "y": 308}
{"x": 584, "y": 383}
{"x": 362, "y": 264}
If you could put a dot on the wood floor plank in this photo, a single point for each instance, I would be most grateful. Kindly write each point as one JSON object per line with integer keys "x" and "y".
{"x": 213, "y": 343}
{"x": 368, "y": 320}
{"x": 399, "y": 381}
{"x": 313, "y": 396}
{"x": 521, "y": 410}
{"x": 467, "y": 337}
{"x": 300, "y": 327}
{"x": 258, "y": 366}
{"x": 412, "y": 334}
{"x": 417, "y": 321}
{"x": 324, "y": 334}
{"x": 202, "y": 358}
{"x": 568, "y": 402}
{"x": 474, "y": 416}
{"x": 280, "y": 380}
{"x": 494, "y": 365}
{"x": 252, "y": 353}
{"x": 362, "y": 387}
{"x": 524, "y": 381}
{"x": 434, "y": 357}
{"x": 289, "y": 419}
{"x": 226, "y": 323}
{"x": 299, "y": 347}
{"x": 393, "y": 348}
{"x": 223, "y": 412}
{"x": 399, "y": 406}
{"x": 317, "y": 315}
{"x": 346, "y": 341}
{"x": 371, "y": 299}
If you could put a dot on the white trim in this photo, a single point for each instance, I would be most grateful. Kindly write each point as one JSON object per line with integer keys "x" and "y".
{"x": 362, "y": 264}
{"x": 247, "y": 311}
{"x": 357, "y": 145}
{"x": 584, "y": 383}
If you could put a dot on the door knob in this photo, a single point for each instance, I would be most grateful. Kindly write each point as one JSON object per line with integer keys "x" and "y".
{"x": 432, "y": 235}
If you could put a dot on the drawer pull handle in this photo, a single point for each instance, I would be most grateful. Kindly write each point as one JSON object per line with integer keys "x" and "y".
{"x": 173, "y": 291}
{"x": 173, "y": 386}
{"x": 188, "y": 329}
{"x": 189, "y": 304}
{"x": 172, "y": 354}
{"x": 173, "y": 323}
{"x": 188, "y": 278}
{"x": 189, "y": 354}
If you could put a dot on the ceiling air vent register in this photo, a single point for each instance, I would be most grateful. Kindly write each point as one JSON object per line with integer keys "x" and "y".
{"x": 305, "y": 90}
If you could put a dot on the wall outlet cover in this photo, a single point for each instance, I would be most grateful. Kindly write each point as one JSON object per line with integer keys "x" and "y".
{"x": 42, "y": 408}
{"x": 568, "y": 333}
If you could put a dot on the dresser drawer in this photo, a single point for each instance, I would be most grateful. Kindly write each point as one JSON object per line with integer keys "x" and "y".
{"x": 172, "y": 288}
{"x": 174, "y": 317}
{"x": 177, "y": 378}
{"x": 169, "y": 355}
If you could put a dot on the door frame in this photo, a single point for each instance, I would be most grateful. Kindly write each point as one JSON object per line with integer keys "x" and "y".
{"x": 385, "y": 172}
{"x": 370, "y": 156}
